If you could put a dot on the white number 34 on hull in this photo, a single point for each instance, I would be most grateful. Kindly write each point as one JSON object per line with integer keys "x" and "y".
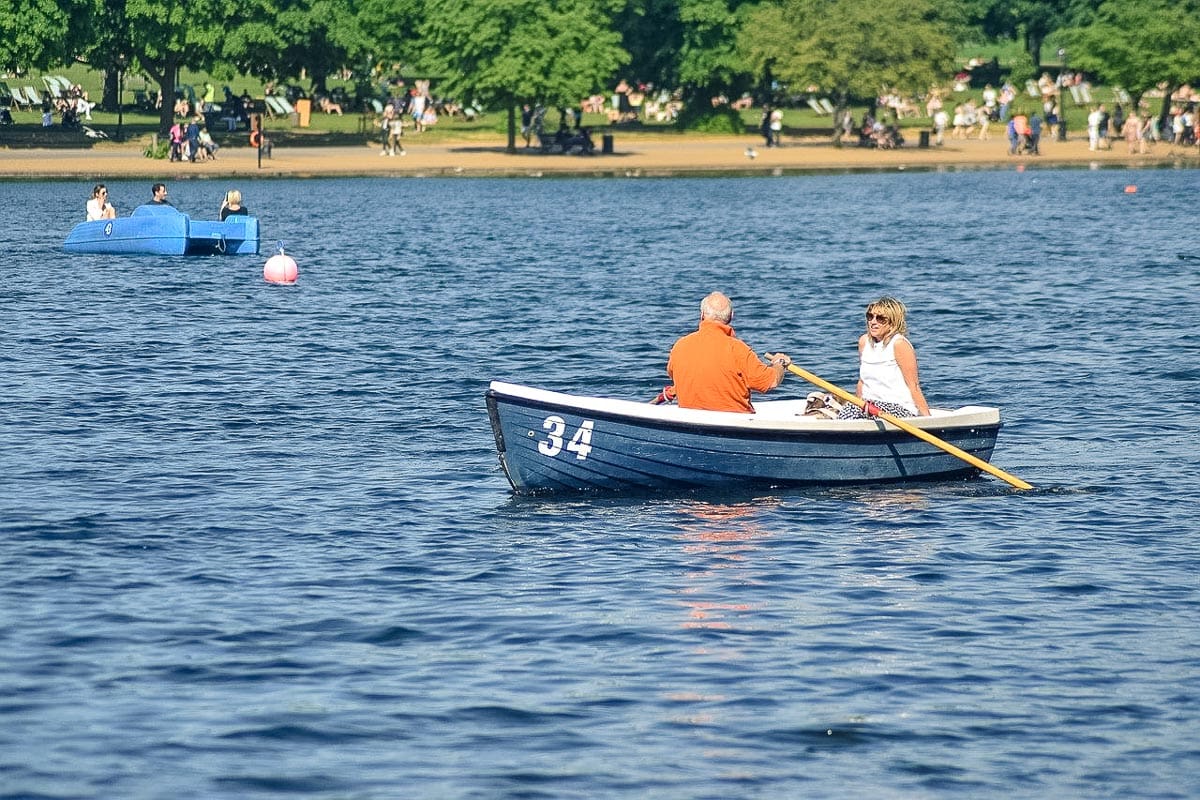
{"x": 552, "y": 445}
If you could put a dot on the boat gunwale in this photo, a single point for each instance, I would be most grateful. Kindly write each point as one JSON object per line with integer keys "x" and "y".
{"x": 775, "y": 419}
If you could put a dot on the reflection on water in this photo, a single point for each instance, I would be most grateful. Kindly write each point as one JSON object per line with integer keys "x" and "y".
{"x": 886, "y": 503}
{"x": 719, "y": 542}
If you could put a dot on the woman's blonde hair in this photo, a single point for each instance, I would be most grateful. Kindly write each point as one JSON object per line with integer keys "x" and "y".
{"x": 233, "y": 197}
{"x": 894, "y": 310}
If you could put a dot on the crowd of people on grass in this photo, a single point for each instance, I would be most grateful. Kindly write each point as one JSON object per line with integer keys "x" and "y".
{"x": 404, "y": 106}
{"x": 1024, "y": 115}
{"x": 191, "y": 141}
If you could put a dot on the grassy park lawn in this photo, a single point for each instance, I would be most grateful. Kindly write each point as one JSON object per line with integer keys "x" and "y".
{"x": 354, "y": 128}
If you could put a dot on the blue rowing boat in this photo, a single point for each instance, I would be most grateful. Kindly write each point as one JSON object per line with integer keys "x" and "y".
{"x": 552, "y": 442}
{"x": 164, "y": 230}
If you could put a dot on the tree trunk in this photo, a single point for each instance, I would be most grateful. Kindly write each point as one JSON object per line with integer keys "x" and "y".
{"x": 165, "y": 109}
{"x": 108, "y": 98}
{"x": 163, "y": 73}
{"x": 512, "y": 127}
{"x": 1033, "y": 46}
{"x": 1164, "y": 116}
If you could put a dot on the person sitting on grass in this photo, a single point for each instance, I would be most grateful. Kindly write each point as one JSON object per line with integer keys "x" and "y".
{"x": 208, "y": 147}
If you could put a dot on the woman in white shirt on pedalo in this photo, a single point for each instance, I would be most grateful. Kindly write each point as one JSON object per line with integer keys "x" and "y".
{"x": 99, "y": 207}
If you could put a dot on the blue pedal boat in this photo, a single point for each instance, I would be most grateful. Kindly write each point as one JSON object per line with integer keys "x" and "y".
{"x": 551, "y": 442}
{"x": 164, "y": 230}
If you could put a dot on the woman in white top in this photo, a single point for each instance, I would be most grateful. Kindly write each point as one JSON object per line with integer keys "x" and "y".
{"x": 99, "y": 207}
{"x": 887, "y": 364}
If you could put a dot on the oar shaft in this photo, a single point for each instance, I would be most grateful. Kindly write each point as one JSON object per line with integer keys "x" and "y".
{"x": 912, "y": 429}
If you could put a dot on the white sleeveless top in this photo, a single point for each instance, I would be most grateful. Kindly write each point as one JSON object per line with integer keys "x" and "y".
{"x": 880, "y": 374}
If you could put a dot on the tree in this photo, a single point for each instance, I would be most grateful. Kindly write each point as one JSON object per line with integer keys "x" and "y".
{"x": 1029, "y": 21}
{"x": 1140, "y": 45}
{"x": 851, "y": 48}
{"x": 37, "y": 35}
{"x": 652, "y": 33}
{"x": 317, "y": 37}
{"x": 709, "y": 60}
{"x": 503, "y": 53}
{"x": 165, "y": 35}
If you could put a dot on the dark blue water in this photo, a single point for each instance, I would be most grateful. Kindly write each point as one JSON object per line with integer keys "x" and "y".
{"x": 256, "y": 542}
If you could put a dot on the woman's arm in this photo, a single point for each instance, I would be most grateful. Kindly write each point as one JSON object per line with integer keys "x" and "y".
{"x": 862, "y": 342}
{"x": 906, "y": 359}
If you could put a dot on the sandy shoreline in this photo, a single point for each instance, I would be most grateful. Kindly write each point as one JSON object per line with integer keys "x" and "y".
{"x": 642, "y": 156}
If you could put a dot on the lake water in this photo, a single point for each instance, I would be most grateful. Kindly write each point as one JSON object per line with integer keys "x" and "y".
{"x": 256, "y": 542}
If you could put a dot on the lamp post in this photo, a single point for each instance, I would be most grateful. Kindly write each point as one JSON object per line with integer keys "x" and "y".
{"x": 120, "y": 105}
{"x": 1062, "y": 105}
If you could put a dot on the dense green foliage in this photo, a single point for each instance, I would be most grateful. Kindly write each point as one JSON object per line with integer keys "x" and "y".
{"x": 836, "y": 45}
{"x": 502, "y": 53}
{"x": 1140, "y": 44}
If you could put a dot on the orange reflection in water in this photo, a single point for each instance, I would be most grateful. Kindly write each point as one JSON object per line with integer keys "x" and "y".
{"x": 718, "y": 538}
{"x": 722, "y": 548}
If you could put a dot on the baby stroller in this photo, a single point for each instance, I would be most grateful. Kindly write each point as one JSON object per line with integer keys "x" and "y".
{"x": 887, "y": 138}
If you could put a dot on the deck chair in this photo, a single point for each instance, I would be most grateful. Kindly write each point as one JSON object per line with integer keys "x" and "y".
{"x": 52, "y": 87}
{"x": 825, "y": 104}
{"x": 19, "y": 101}
{"x": 32, "y": 94}
{"x": 273, "y": 108}
{"x": 815, "y": 106}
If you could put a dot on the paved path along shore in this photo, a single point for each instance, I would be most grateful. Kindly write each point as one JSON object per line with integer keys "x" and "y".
{"x": 647, "y": 156}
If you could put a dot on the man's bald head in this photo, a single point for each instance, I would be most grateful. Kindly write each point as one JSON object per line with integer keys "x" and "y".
{"x": 716, "y": 307}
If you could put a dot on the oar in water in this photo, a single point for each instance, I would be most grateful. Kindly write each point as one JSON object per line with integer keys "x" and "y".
{"x": 907, "y": 428}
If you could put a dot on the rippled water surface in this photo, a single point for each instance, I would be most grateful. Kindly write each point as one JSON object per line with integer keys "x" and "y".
{"x": 256, "y": 542}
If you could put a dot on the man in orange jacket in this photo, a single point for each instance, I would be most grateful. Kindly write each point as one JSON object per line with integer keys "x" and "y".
{"x": 714, "y": 370}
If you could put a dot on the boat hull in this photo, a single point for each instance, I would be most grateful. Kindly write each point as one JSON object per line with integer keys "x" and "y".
{"x": 162, "y": 230}
{"x": 551, "y": 442}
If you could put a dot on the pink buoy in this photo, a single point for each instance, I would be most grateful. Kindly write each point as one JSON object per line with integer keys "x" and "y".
{"x": 1131, "y": 189}
{"x": 280, "y": 268}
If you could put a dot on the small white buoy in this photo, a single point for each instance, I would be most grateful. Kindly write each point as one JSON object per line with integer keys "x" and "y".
{"x": 280, "y": 268}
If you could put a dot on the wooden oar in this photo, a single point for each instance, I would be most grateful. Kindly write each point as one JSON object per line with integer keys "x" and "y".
{"x": 915, "y": 431}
